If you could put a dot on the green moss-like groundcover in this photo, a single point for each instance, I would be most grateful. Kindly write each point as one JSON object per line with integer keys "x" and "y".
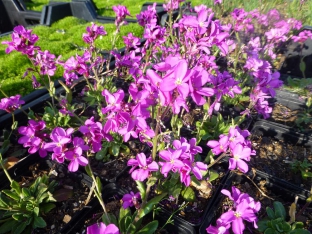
{"x": 62, "y": 38}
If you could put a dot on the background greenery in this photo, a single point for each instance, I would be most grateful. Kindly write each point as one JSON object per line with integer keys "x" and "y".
{"x": 65, "y": 37}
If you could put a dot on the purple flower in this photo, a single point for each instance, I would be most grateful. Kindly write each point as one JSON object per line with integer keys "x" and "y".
{"x": 75, "y": 154}
{"x": 101, "y": 228}
{"x": 92, "y": 33}
{"x": 59, "y": 138}
{"x": 22, "y": 41}
{"x": 172, "y": 161}
{"x": 220, "y": 146}
{"x": 245, "y": 208}
{"x": 33, "y": 137}
{"x": 130, "y": 200}
{"x": 46, "y": 62}
{"x": 113, "y": 101}
{"x": 121, "y": 14}
{"x": 11, "y": 104}
{"x": 240, "y": 154}
{"x": 145, "y": 167}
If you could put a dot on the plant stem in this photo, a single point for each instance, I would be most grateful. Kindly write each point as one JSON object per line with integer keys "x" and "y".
{"x": 97, "y": 191}
{"x": 4, "y": 169}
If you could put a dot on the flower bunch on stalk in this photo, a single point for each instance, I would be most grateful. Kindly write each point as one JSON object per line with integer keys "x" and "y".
{"x": 173, "y": 71}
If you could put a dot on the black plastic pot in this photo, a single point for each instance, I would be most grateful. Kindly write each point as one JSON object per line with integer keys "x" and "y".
{"x": 294, "y": 53}
{"x": 293, "y": 102}
{"x": 275, "y": 187}
{"x": 285, "y": 138}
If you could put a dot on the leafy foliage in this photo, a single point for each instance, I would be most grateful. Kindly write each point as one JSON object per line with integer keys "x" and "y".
{"x": 22, "y": 208}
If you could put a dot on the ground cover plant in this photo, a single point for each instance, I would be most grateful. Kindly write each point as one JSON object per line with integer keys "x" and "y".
{"x": 62, "y": 38}
{"x": 194, "y": 63}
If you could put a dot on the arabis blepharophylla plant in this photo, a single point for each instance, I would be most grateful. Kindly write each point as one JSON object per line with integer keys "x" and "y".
{"x": 194, "y": 61}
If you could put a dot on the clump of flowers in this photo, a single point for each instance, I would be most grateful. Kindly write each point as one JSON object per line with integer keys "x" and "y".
{"x": 244, "y": 208}
{"x": 173, "y": 71}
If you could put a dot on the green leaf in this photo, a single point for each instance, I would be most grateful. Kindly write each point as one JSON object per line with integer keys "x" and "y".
{"x": 270, "y": 231}
{"x": 306, "y": 174}
{"x": 188, "y": 194}
{"x": 123, "y": 215}
{"x": 7, "y": 226}
{"x": 302, "y": 66}
{"x": 115, "y": 150}
{"x": 20, "y": 228}
{"x": 11, "y": 194}
{"x": 14, "y": 125}
{"x": 299, "y": 231}
{"x": 126, "y": 223}
{"x": 150, "y": 204}
{"x": 18, "y": 217}
{"x": 213, "y": 175}
{"x": 149, "y": 228}
{"x": 36, "y": 211}
{"x": 109, "y": 218}
{"x": 26, "y": 192}
{"x": 100, "y": 155}
{"x": 297, "y": 225}
{"x": 5, "y": 146}
{"x": 141, "y": 188}
{"x": 46, "y": 207}
{"x": 39, "y": 222}
{"x": 98, "y": 182}
{"x": 279, "y": 210}
{"x": 262, "y": 225}
{"x": 270, "y": 213}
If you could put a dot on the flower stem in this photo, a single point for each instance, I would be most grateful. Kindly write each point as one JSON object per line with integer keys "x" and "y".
{"x": 4, "y": 169}
{"x": 97, "y": 190}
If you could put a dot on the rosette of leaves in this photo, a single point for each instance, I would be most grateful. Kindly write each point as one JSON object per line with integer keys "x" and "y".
{"x": 21, "y": 208}
{"x": 276, "y": 223}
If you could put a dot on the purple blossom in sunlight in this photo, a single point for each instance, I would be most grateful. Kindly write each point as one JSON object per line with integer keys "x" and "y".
{"x": 11, "y": 104}
{"x": 94, "y": 133}
{"x": 46, "y": 61}
{"x": 221, "y": 228}
{"x": 121, "y": 14}
{"x": 220, "y": 146}
{"x": 75, "y": 156}
{"x": 172, "y": 161}
{"x": 146, "y": 166}
{"x": 131, "y": 41}
{"x": 199, "y": 78}
{"x": 172, "y": 5}
{"x": 113, "y": 101}
{"x": 131, "y": 199}
{"x": 177, "y": 79}
{"x": 33, "y": 137}
{"x": 148, "y": 16}
{"x": 302, "y": 36}
{"x": 22, "y": 41}
{"x": 240, "y": 154}
{"x": 92, "y": 33}
{"x": 101, "y": 228}
{"x": 35, "y": 83}
{"x": 74, "y": 66}
{"x": 60, "y": 137}
{"x": 244, "y": 208}
{"x": 217, "y": 2}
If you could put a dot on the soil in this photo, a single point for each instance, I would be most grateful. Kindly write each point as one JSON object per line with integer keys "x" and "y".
{"x": 283, "y": 115}
{"x": 275, "y": 156}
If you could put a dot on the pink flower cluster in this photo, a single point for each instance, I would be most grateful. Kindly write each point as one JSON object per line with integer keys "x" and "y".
{"x": 244, "y": 208}
{"x": 11, "y": 104}
{"x": 237, "y": 144}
